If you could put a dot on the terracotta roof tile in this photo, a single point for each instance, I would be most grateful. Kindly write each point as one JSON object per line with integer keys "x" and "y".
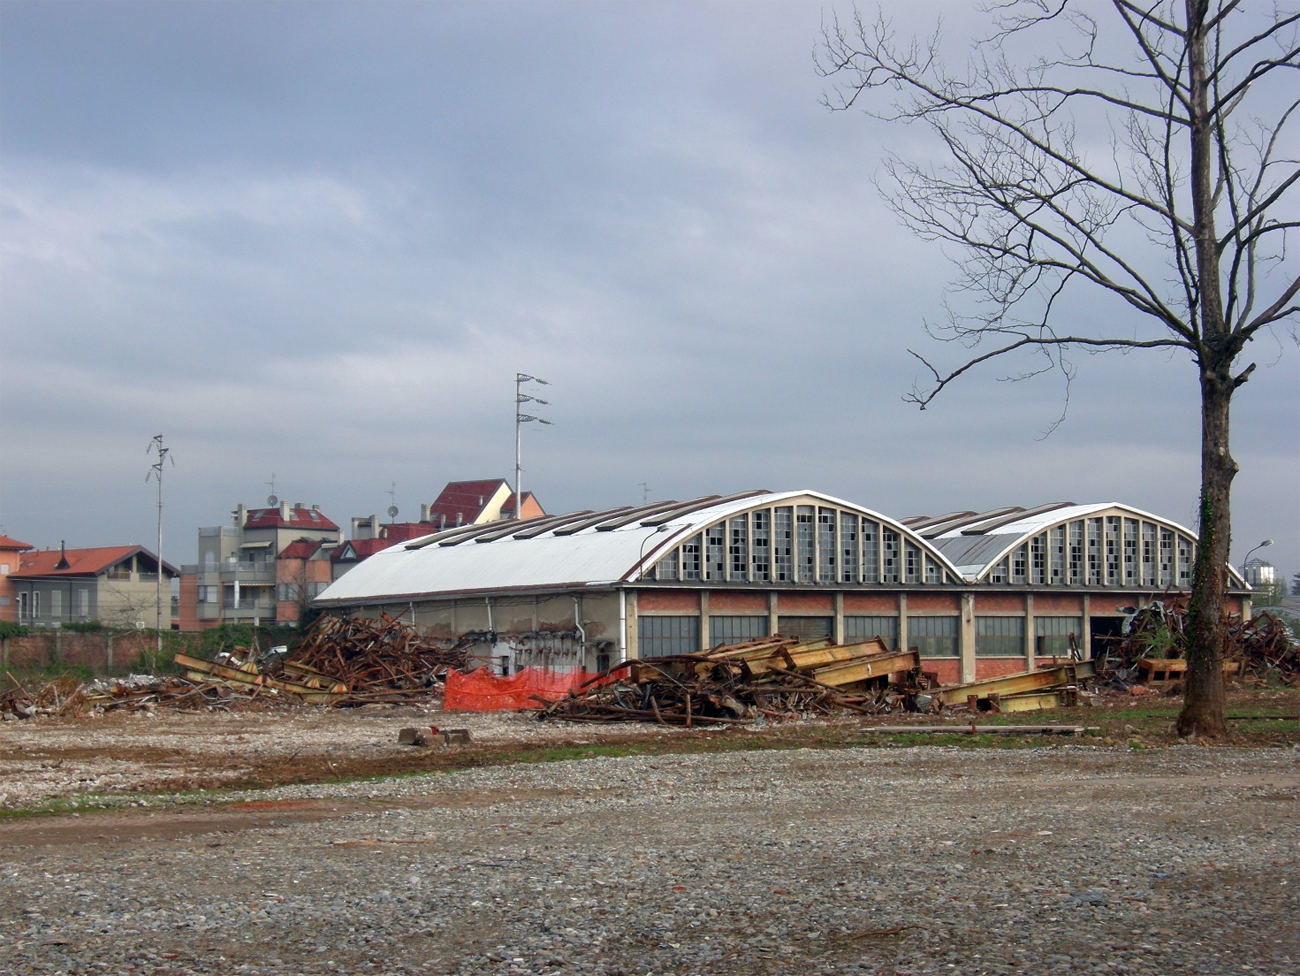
{"x": 299, "y": 518}
{"x": 81, "y": 562}
{"x": 8, "y": 543}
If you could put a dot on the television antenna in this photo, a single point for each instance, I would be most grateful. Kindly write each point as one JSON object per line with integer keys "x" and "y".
{"x": 392, "y": 494}
{"x": 156, "y": 471}
{"x": 522, "y": 418}
{"x": 272, "y": 499}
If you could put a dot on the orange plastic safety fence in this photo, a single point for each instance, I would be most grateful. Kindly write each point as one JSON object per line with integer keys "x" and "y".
{"x": 483, "y": 691}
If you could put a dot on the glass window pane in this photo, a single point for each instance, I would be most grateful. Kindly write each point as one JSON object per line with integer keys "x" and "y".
{"x": 865, "y": 628}
{"x": 933, "y": 636}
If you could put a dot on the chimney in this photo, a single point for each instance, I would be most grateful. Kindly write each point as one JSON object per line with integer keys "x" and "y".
{"x": 424, "y": 513}
{"x": 241, "y": 514}
{"x": 284, "y": 511}
{"x": 315, "y": 507}
{"x": 459, "y": 518}
{"x": 63, "y": 556}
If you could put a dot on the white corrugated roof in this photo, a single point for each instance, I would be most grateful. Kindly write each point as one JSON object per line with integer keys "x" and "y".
{"x": 587, "y": 558}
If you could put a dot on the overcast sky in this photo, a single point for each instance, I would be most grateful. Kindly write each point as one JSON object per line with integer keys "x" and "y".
{"x": 316, "y": 241}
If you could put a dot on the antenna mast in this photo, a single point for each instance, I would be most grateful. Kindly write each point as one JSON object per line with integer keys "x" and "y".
{"x": 156, "y": 471}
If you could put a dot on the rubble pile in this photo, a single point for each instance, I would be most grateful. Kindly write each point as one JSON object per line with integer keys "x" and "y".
{"x": 1264, "y": 648}
{"x": 1153, "y": 648}
{"x": 378, "y": 660}
{"x": 341, "y": 662}
{"x": 776, "y": 677}
{"x": 135, "y": 693}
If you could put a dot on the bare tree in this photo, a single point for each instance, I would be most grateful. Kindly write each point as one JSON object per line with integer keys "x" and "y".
{"x": 1181, "y": 216}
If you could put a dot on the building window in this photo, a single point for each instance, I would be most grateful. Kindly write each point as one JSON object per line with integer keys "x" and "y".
{"x": 761, "y": 541}
{"x": 83, "y": 601}
{"x": 848, "y": 548}
{"x": 1037, "y": 560}
{"x": 999, "y": 636}
{"x": 783, "y": 544}
{"x": 736, "y": 630}
{"x": 1052, "y": 635}
{"x": 865, "y": 628}
{"x": 737, "y": 550}
{"x": 666, "y": 568}
{"x": 24, "y": 607}
{"x": 870, "y": 571}
{"x": 805, "y": 545}
{"x": 826, "y": 545}
{"x": 691, "y": 558}
{"x": 806, "y": 628}
{"x": 661, "y": 636}
{"x": 933, "y": 636}
{"x": 715, "y": 549}
{"x": 56, "y": 604}
{"x": 911, "y": 563}
{"x": 888, "y": 556}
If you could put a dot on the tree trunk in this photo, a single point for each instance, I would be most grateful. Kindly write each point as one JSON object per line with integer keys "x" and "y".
{"x": 1202, "y": 714}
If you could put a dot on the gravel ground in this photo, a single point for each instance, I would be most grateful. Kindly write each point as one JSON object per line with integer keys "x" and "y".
{"x": 51, "y": 759}
{"x": 1068, "y": 859}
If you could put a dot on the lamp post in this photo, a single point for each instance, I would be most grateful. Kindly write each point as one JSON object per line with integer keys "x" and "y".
{"x": 522, "y": 418}
{"x": 156, "y": 471}
{"x": 640, "y": 558}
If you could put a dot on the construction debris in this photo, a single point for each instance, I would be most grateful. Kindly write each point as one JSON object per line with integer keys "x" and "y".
{"x": 1152, "y": 649}
{"x": 342, "y": 662}
{"x": 1026, "y": 691}
{"x": 431, "y": 735}
{"x": 775, "y": 678}
{"x": 136, "y": 693}
{"x": 383, "y": 660}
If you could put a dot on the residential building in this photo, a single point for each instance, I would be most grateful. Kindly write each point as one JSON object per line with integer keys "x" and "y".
{"x": 459, "y": 503}
{"x": 261, "y": 569}
{"x": 977, "y": 594}
{"x": 10, "y": 553}
{"x": 116, "y": 585}
{"x": 477, "y": 502}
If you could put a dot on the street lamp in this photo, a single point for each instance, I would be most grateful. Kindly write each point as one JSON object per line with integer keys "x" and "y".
{"x": 522, "y": 418}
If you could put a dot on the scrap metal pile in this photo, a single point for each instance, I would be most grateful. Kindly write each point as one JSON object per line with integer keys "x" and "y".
{"x": 135, "y": 693}
{"x": 777, "y": 677}
{"x": 341, "y": 661}
{"x": 1153, "y": 648}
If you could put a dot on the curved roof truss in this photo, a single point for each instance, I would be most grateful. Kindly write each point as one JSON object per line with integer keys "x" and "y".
{"x": 1105, "y": 544}
{"x": 797, "y": 537}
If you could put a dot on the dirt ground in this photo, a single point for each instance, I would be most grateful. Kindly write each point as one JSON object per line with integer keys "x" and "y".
{"x": 124, "y": 775}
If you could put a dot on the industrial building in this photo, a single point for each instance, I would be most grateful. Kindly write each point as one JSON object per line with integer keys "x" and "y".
{"x": 979, "y": 594}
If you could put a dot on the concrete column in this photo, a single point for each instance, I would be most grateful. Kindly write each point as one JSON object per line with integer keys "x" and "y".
{"x": 1085, "y": 638}
{"x": 966, "y": 636}
{"x": 902, "y": 622}
{"x": 704, "y": 620}
{"x": 1030, "y": 639}
{"x": 631, "y": 646}
{"x": 772, "y": 618}
{"x": 838, "y": 632}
